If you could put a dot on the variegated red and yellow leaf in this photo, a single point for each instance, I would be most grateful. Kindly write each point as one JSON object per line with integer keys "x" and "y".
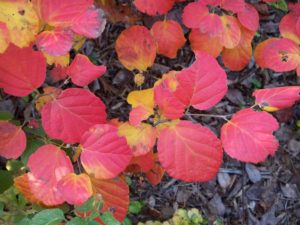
{"x": 287, "y": 27}
{"x": 4, "y": 37}
{"x": 231, "y": 35}
{"x": 211, "y": 24}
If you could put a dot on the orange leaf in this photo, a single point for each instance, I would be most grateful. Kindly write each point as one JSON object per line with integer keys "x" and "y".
{"x": 205, "y": 43}
{"x": 231, "y": 35}
{"x": 115, "y": 194}
{"x": 142, "y": 163}
{"x": 156, "y": 173}
{"x": 248, "y": 136}
{"x": 12, "y": 140}
{"x": 75, "y": 189}
{"x": 141, "y": 139}
{"x": 104, "y": 153}
{"x": 212, "y": 25}
{"x": 277, "y": 98}
{"x": 280, "y": 55}
{"x": 21, "y": 70}
{"x": 153, "y": 7}
{"x": 136, "y": 48}
{"x": 169, "y": 37}
{"x": 189, "y": 152}
{"x": 22, "y": 184}
{"x": 238, "y": 57}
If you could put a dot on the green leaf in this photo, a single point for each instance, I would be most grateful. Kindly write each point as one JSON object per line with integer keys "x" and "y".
{"x": 127, "y": 221}
{"x": 48, "y": 217}
{"x": 93, "y": 222}
{"x": 108, "y": 219}
{"x": 77, "y": 221}
{"x": 32, "y": 146}
{"x": 87, "y": 206}
{"x": 135, "y": 207}
{"x": 280, "y": 4}
{"x": 24, "y": 221}
{"x": 14, "y": 166}
{"x": 6, "y": 178}
{"x": 4, "y": 115}
{"x": 1, "y": 208}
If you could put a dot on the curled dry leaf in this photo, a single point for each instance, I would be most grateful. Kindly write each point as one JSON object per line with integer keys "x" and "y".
{"x": 169, "y": 37}
{"x": 71, "y": 114}
{"x": 136, "y": 48}
{"x": 154, "y": 7}
{"x": 248, "y": 136}
{"x": 21, "y": 70}
{"x": 104, "y": 153}
{"x": 273, "y": 99}
{"x": 12, "y": 140}
{"x": 82, "y": 71}
{"x": 189, "y": 152}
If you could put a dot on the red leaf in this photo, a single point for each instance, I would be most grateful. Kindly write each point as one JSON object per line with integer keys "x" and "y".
{"x": 211, "y": 2}
{"x": 249, "y": 17}
{"x": 248, "y": 136}
{"x": 83, "y": 71}
{"x": 142, "y": 163}
{"x": 46, "y": 173}
{"x": 280, "y": 55}
{"x": 211, "y": 24}
{"x": 71, "y": 114}
{"x": 169, "y": 37}
{"x": 205, "y": 43}
{"x": 233, "y": 5}
{"x": 153, "y": 7}
{"x": 75, "y": 189}
{"x": 156, "y": 173}
{"x": 203, "y": 84}
{"x": 55, "y": 42}
{"x": 12, "y": 140}
{"x": 104, "y": 153}
{"x": 193, "y": 14}
{"x": 21, "y": 70}
{"x": 277, "y": 98}
{"x": 169, "y": 105}
{"x": 62, "y": 13}
{"x": 4, "y": 37}
{"x": 136, "y": 48}
{"x": 287, "y": 27}
{"x": 189, "y": 152}
{"x": 90, "y": 23}
{"x": 115, "y": 194}
{"x": 58, "y": 73}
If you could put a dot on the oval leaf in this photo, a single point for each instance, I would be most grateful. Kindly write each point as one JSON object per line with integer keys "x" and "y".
{"x": 12, "y": 140}
{"x": 248, "y": 136}
{"x": 287, "y": 27}
{"x": 153, "y": 7}
{"x": 75, "y": 189}
{"x": 83, "y": 71}
{"x": 277, "y": 98}
{"x": 136, "y": 48}
{"x": 249, "y": 17}
{"x": 104, "y": 153}
{"x": 169, "y": 37}
{"x": 21, "y": 70}
{"x": 193, "y": 14}
{"x": 189, "y": 152}
{"x": 71, "y": 114}
{"x": 231, "y": 35}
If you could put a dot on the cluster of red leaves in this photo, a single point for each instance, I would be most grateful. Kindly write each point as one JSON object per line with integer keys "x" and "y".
{"x": 106, "y": 149}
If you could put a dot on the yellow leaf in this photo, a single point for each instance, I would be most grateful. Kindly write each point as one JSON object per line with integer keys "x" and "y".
{"x": 63, "y": 60}
{"x": 141, "y": 98}
{"x": 270, "y": 109}
{"x": 21, "y": 20}
{"x": 140, "y": 139}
